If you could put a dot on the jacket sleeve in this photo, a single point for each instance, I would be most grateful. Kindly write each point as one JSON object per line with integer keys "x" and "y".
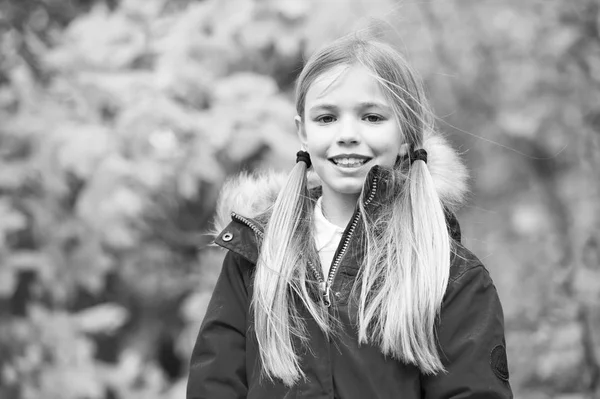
{"x": 218, "y": 362}
{"x": 471, "y": 342}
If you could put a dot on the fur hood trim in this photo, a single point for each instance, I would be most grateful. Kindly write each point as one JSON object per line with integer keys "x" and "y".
{"x": 250, "y": 194}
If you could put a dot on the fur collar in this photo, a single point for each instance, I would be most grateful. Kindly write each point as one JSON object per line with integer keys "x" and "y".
{"x": 249, "y": 194}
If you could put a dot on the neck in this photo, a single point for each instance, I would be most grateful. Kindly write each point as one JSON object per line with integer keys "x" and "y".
{"x": 338, "y": 209}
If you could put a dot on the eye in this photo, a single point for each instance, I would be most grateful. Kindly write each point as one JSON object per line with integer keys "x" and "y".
{"x": 325, "y": 119}
{"x": 374, "y": 118}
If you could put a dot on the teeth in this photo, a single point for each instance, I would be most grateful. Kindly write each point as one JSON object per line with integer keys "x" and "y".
{"x": 349, "y": 161}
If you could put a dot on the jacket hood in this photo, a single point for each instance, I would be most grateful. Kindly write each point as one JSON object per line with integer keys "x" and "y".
{"x": 250, "y": 194}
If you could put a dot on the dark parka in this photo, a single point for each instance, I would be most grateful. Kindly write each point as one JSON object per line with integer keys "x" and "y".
{"x": 225, "y": 361}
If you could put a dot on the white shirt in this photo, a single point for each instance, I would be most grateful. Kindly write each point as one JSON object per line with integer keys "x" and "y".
{"x": 327, "y": 237}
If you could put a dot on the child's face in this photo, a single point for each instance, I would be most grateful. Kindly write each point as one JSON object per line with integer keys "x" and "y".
{"x": 348, "y": 127}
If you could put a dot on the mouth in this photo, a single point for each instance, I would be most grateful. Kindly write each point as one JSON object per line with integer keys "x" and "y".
{"x": 349, "y": 160}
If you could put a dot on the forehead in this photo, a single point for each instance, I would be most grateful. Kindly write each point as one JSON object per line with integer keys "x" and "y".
{"x": 345, "y": 83}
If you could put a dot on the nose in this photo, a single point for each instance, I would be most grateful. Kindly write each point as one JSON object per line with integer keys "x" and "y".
{"x": 348, "y": 132}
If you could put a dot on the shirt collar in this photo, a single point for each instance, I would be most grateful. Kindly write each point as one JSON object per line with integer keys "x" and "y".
{"x": 322, "y": 220}
{"x": 326, "y": 233}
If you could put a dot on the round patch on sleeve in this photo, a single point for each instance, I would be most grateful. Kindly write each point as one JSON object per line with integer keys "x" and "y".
{"x": 499, "y": 362}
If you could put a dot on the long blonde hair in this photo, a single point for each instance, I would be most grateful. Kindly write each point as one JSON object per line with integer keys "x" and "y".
{"x": 405, "y": 270}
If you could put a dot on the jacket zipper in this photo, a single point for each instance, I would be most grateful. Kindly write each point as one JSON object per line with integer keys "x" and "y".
{"x": 248, "y": 223}
{"x": 324, "y": 285}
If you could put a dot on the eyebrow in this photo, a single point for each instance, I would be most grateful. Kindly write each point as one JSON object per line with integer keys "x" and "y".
{"x": 360, "y": 106}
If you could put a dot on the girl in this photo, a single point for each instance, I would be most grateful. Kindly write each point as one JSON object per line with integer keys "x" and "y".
{"x": 358, "y": 287}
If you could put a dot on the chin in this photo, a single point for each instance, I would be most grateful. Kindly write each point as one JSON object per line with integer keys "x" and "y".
{"x": 349, "y": 189}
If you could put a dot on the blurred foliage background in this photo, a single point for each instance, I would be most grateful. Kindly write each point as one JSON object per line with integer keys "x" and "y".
{"x": 120, "y": 119}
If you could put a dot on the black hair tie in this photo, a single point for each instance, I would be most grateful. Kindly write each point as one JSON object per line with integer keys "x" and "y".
{"x": 305, "y": 157}
{"x": 418, "y": 155}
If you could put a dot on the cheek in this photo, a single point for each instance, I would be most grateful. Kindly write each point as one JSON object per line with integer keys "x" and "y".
{"x": 388, "y": 146}
{"x": 389, "y": 160}
{"x": 316, "y": 143}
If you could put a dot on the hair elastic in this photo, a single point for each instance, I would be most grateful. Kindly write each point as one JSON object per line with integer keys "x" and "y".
{"x": 418, "y": 155}
{"x": 303, "y": 156}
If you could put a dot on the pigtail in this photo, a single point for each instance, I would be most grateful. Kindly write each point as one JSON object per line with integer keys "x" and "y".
{"x": 406, "y": 269}
{"x": 431, "y": 257}
{"x": 281, "y": 281}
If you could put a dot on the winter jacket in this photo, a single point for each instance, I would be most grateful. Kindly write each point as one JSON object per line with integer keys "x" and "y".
{"x": 225, "y": 360}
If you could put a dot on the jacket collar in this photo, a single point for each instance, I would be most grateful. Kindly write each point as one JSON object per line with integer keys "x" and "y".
{"x": 242, "y": 233}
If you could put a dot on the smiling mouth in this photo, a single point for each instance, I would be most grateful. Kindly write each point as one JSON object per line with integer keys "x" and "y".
{"x": 349, "y": 162}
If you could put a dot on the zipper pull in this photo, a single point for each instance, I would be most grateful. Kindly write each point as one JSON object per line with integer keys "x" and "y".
{"x": 325, "y": 292}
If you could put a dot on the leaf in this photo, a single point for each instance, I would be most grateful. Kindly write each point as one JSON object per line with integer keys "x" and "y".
{"x": 560, "y": 362}
{"x": 13, "y": 175}
{"x": 88, "y": 263}
{"x": 8, "y": 281}
{"x": 16, "y": 262}
{"x": 292, "y": 10}
{"x": 27, "y": 260}
{"x": 587, "y": 286}
{"x": 115, "y": 89}
{"x": 109, "y": 205}
{"x": 105, "y": 318}
{"x": 158, "y": 116}
{"x": 72, "y": 381}
{"x": 244, "y": 87}
{"x": 519, "y": 123}
{"x": 194, "y": 307}
{"x": 116, "y": 39}
{"x": 10, "y": 220}
{"x": 80, "y": 148}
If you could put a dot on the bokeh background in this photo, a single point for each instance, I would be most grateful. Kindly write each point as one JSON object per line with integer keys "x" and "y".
{"x": 120, "y": 120}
